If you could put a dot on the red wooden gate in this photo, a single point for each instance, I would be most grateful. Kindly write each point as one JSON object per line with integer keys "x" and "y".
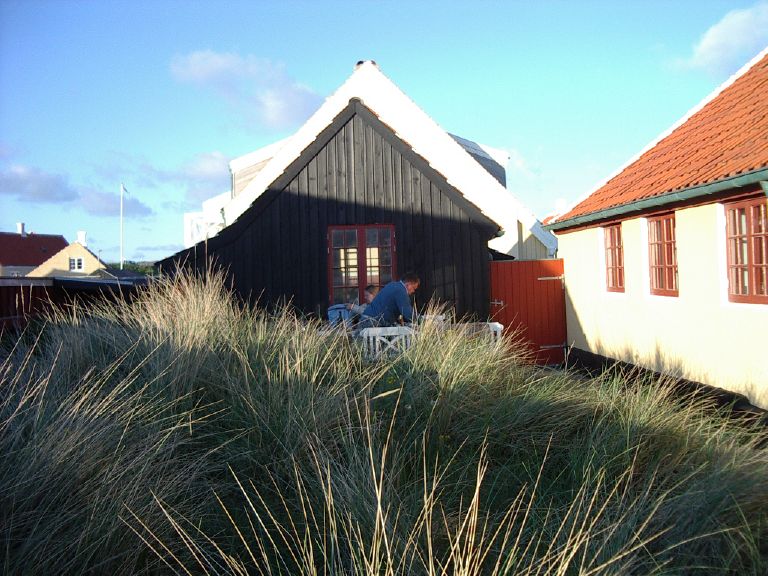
{"x": 528, "y": 296}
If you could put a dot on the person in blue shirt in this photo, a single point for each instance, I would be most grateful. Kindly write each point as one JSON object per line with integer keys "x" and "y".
{"x": 392, "y": 303}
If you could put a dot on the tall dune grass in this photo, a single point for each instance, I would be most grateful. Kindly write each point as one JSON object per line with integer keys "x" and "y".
{"x": 182, "y": 433}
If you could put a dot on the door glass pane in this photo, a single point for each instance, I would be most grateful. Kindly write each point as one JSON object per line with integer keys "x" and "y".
{"x": 350, "y": 275}
{"x": 372, "y": 237}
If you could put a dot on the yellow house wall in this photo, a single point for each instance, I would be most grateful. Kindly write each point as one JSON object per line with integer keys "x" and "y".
{"x": 58, "y": 264}
{"x": 698, "y": 335}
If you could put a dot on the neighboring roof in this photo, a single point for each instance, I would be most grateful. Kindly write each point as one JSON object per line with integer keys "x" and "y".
{"x": 492, "y": 159}
{"x": 722, "y": 140}
{"x": 28, "y": 249}
{"x": 117, "y": 274}
{"x": 262, "y": 155}
{"x": 425, "y": 137}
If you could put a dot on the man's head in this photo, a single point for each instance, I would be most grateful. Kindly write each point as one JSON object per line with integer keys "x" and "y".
{"x": 411, "y": 282}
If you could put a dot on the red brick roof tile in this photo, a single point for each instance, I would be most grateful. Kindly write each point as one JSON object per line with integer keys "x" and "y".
{"x": 726, "y": 137}
{"x": 29, "y": 249}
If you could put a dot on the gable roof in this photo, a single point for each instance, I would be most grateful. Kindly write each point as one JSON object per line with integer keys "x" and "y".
{"x": 74, "y": 250}
{"x": 722, "y": 143}
{"x": 28, "y": 249}
{"x": 422, "y": 134}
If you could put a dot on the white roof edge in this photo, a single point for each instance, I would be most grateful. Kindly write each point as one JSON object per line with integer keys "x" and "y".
{"x": 712, "y": 95}
{"x": 410, "y": 123}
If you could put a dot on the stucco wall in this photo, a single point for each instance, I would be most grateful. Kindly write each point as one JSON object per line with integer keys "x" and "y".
{"x": 698, "y": 335}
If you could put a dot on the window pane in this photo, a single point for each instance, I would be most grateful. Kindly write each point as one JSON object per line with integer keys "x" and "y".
{"x": 372, "y": 237}
{"x": 760, "y": 223}
{"x": 351, "y": 257}
{"x": 350, "y": 238}
{"x": 385, "y": 275}
{"x": 761, "y": 280}
{"x": 656, "y": 255}
{"x": 741, "y": 250}
{"x": 337, "y": 238}
{"x": 385, "y": 237}
{"x": 759, "y": 251}
{"x": 385, "y": 256}
{"x": 372, "y": 256}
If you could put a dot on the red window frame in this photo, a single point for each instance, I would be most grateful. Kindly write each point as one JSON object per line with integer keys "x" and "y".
{"x": 614, "y": 258}
{"x": 747, "y": 247}
{"x": 359, "y": 256}
{"x": 662, "y": 255}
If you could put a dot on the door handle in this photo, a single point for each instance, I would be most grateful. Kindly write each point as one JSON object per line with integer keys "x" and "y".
{"x": 497, "y": 302}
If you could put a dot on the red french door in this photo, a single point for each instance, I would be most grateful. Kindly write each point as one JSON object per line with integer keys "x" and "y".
{"x": 357, "y": 257}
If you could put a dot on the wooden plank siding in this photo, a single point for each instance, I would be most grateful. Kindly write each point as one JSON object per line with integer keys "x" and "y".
{"x": 357, "y": 172}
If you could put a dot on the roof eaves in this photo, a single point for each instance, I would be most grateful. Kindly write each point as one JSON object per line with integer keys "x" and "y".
{"x": 687, "y": 194}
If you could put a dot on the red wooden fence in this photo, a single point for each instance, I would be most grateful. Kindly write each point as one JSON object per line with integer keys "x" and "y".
{"x": 24, "y": 298}
{"x": 528, "y": 296}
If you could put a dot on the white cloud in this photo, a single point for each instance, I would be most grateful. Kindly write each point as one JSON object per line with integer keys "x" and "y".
{"x": 33, "y": 185}
{"x": 732, "y": 42}
{"x": 206, "y": 175}
{"x": 202, "y": 177}
{"x": 108, "y": 204}
{"x": 257, "y": 88}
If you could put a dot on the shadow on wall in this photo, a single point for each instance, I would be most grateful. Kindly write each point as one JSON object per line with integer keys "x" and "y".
{"x": 748, "y": 398}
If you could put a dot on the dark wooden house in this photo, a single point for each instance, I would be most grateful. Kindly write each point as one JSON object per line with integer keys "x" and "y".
{"x": 350, "y": 201}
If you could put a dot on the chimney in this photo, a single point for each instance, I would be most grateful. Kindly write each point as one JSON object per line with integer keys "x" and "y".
{"x": 361, "y": 62}
{"x": 81, "y": 238}
{"x": 20, "y": 229}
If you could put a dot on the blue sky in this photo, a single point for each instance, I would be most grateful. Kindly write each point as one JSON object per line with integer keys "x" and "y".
{"x": 162, "y": 94}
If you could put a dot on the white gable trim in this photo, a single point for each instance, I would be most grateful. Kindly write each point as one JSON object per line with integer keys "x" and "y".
{"x": 423, "y": 135}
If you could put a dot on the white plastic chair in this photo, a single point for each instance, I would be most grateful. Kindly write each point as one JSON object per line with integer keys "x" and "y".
{"x": 378, "y": 342}
{"x": 490, "y": 330}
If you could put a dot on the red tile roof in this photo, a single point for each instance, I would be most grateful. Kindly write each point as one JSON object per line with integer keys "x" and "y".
{"x": 726, "y": 136}
{"x": 30, "y": 249}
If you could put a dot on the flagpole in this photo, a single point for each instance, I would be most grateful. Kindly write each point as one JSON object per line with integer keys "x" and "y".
{"x": 122, "y": 189}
